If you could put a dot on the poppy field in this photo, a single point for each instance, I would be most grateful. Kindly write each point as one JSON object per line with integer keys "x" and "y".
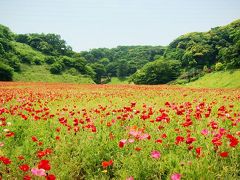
{"x": 66, "y": 131}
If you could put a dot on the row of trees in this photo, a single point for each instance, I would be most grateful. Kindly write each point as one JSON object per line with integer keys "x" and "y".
{"x": 121, "y": 61}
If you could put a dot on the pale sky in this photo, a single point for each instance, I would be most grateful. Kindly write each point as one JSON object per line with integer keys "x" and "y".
{"x": 88, "y": 24}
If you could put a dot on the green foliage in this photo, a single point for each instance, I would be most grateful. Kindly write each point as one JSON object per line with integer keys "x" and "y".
{"x": 89, "y": 71}
{"x": 68, "y": 61}
{"x": 5, "y": 33}
{"x": 122, "y": 69}
{"x": 100, "y": 71}
{"x": 6, "y": 72}
{"x": 158, "y": 72}
{"x": 219, "y": 66}
{"x": 50, "y": 59}
{"x": 50, "y": 44}
{"x": 14, "y": 62}
{"x": 56, "y": 68}
{"x": 123, "y": 60}
{"x": 195, "y": 51}
{"x": 200, "y": 49}
{"x": 80, "y": 65}
{"x": 72, "y": 71}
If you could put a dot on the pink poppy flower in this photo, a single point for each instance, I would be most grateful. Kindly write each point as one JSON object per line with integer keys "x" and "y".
{"x": 143, "y": 136}
{"x": 131, "y": 140}
{"x": 204, "y": 132}
{"x": 134, "y": 133}
{"x": 38, "y": 172}
{"x": 176, "y": 176}
{"x": 1, "y": 144}
{"x": 130, "y": 178}
{"x": 155, "y": 154}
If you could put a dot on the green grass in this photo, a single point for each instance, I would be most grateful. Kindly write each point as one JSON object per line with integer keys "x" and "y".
{"x": 40, "y": 73}
{"x": 24, "y": 50}
{"x": 222, "y": 79}
{"x": 116, "y": 80}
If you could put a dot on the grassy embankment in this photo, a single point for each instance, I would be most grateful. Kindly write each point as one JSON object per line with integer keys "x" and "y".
{"x": 222, "y": 79}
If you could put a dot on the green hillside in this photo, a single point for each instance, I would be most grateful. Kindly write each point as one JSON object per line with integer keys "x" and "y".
{"x": 197, "y": 53}
{"x": 222, "y": 79}
{"x": 47, "y": 57}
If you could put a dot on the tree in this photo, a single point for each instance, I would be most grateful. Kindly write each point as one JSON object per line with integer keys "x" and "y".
{"x": 5, "y": 33}
{"x": 158, "y": 72}
{"x": 6, "y": 72}
{"x": 56, "y": 68}
{"x": 80, "y": 64}
{"x": 100, "y": 71}
{"x": 122, "y": 70}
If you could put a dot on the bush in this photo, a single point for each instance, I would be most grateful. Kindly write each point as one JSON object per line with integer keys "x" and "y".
{"x": 72, "y": 71}
{"x": 157, "y": 72}
{"x": 67, "y": 61}
{"x": 219, "y": 66}
{"x": 27, "y": 59}
{"x": 6, "y": 72}
{"x": 56, "y": 68}
{"x": 50, "y": 59}
{"x": 15, "y": 63}
{"x": 37, "y": 61}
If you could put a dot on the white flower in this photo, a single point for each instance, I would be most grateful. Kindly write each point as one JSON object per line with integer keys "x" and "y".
{"x": 6, "y": 130}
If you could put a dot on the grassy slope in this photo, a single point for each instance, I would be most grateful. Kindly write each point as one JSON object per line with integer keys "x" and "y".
{"x": 40, "y": 73}
{"x": 116, "y": 80}
{"x": 36, "y": 73}
{"x": 25, "y": 49}
{"x": 222, "y": 79}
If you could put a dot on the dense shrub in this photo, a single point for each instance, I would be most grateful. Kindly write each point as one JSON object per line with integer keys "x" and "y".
{"x": 158, "y": 72}
{"x": 50, "y": 59}
{"x": 219, "y": 66}
{"x": 6, "y": 72}
{"x": 56, "y": 68}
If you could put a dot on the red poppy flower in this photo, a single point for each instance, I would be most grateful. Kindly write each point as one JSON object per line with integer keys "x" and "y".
{"x": 223, "y": 154}
{"x": 27, "y": 177}
{"x": 50, "y": 177}
{"x": 190, "y": 140}
{"x": 21, "y": 157}
{"x": 138, "y": 149}
{"x": 34, "y": 139}
{"x": 105, "y": 164}
{"x": 10, "y": 134}
{"x": 5, "y": 160}
{"x": 44, "y": 164}
{"x": 122, "y": 143}
{"x": 179, "y": 139}
{"x": 24, "y": 167}
{"x": 198, "y": 151}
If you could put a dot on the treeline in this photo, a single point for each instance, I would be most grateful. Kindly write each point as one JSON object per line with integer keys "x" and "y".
{"x": 38, "y": 49}
{"x": 185, "y": 59}
{"x": 121, "y": 61}
{"x": 194, "y": 54}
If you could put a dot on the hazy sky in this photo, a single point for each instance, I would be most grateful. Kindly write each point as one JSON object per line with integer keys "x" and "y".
{"x": 87, "y": 24}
